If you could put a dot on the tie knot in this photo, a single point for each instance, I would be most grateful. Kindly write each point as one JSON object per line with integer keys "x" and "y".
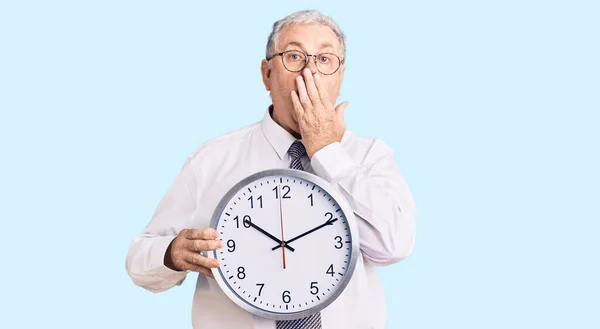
{"x": 297, "y": 150}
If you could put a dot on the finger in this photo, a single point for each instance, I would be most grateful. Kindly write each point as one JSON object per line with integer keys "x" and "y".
{"x": 298, "y": 110}
{"x": 195, "y": 234}
{"x": 311, "y": 88}
{"x": 323, "y": 95}
{"x": 200, "y": 269}
{"x": 302, "y": 94}
{"x": 339, "y": 110}
{"x": 198, "y": 259}
{"x": 203, "y": 245}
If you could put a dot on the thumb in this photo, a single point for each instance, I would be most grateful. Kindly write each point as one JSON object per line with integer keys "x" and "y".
{"x": 341, "y": 108}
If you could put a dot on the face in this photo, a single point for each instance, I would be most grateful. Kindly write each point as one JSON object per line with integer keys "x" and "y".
{"x": 313, "y": 40}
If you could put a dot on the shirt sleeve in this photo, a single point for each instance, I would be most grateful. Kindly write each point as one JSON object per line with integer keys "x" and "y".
{"x": 145, "y": 257}
{"x": 379, "y": 196}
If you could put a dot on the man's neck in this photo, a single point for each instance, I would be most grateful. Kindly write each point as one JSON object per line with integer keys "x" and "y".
{"x": 288, "y": 129}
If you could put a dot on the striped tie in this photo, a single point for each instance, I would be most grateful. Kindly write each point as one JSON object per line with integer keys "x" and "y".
{"x": 297, "y": 151}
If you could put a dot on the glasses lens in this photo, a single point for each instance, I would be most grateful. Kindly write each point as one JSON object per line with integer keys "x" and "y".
{"x": 294, "y": 60}
{"x": 327, "y": 63}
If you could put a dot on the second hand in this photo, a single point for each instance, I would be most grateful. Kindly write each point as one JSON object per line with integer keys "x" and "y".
{"x": 281, "y": 222}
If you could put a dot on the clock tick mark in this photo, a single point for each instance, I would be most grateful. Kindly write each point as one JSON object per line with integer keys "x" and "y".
{"x": 254, "y": 298}
{"x": 230, "y": 277}
{"x": 338, "y": 210}
{"x": 249, "y": 190}
{"x": 313, "y": 188}
{"x": 227, "y": 214}
{"x": 329, "y": 199}
{"x": 319, "y": 298}
{"x": 340, "y": 274}
{"x": 328, "y": 289}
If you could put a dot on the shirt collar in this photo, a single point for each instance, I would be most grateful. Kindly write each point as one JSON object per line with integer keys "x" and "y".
{"x": 279, "y": 138}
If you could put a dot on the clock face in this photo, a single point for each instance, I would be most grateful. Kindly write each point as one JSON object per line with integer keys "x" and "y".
{"x": 289, "y": 244}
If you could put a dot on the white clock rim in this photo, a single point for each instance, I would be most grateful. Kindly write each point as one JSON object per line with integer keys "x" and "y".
{"x": 350, "y": 219}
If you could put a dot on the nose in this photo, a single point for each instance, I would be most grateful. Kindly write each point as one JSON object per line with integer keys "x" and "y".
{"x": 312, "y": 64}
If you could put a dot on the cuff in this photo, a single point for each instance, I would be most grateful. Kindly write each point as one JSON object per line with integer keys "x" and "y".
{"x": 157, "y": 259}
{"x": 333, "y": 162}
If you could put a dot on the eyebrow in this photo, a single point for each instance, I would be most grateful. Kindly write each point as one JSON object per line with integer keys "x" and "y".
{"x": 300, "y": 45}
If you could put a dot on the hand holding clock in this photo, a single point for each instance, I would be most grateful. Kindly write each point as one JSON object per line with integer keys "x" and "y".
{"x": 183, "y": 253}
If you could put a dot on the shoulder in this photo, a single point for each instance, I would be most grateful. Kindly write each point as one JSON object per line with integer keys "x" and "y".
{"x": 221, "y": 145}
{"x": 362, "y": 147}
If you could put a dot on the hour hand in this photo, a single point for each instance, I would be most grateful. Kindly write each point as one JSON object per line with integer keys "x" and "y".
{"x": 281, "y": 243}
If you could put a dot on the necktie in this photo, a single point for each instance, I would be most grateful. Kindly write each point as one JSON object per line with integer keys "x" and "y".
{"x": 297, "y": 151}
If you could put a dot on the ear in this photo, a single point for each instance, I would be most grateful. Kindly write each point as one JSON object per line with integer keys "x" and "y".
{"x": 266, "y": 73}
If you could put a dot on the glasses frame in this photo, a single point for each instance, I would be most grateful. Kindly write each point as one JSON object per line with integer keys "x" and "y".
{"x": 306, "y": 56}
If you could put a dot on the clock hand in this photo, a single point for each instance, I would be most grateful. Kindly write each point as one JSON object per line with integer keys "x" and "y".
{"x": 328, "y": 222}
{"x": 246, "y": 221}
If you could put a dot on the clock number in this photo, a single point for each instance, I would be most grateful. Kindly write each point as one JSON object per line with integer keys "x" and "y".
{"x": 241, "y": 273}
{"x": 246, "y": 218}
{"x": 262, "y": 285}
{"x": 330, "y": 216}
{"x": 285, "y": 196}
{"x": 230, "y": 245}
{"x": 251, "y": 198}
{"x": 313, "y": 285}
{"x": 311, "y": 200}
{"x": 339, "y": 240}
{"x": 330, "y": 270}
{"x": 286, "y": 297}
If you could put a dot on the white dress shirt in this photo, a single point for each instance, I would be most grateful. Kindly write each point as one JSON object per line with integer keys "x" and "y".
{"x": 362, "y": 169}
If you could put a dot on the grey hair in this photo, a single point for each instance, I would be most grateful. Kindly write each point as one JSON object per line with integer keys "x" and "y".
{"x": 304, "y": 17}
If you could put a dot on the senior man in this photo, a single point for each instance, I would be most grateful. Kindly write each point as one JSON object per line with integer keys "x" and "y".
{"x": 302, "y": 129}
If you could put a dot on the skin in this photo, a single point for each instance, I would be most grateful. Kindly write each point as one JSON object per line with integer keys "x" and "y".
{"x": 303, "y": 104}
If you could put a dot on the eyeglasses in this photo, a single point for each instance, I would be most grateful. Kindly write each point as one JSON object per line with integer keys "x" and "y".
{"x": 296, "y": 61}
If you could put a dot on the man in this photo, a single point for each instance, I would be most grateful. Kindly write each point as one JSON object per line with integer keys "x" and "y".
{"x": 303, "y": 72}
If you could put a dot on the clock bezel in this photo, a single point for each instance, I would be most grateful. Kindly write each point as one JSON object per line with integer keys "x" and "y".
{"x": 350, "y": 219}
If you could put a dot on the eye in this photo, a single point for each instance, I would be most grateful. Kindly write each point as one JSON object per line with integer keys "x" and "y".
{"x": 295, "y": 56}
{"x": 324, "y": 59}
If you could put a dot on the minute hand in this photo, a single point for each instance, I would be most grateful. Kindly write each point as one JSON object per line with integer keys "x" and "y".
{"x": 329, "y": 222}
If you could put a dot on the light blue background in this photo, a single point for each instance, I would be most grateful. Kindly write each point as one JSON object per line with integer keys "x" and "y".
{"x": 491, "y": 107}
